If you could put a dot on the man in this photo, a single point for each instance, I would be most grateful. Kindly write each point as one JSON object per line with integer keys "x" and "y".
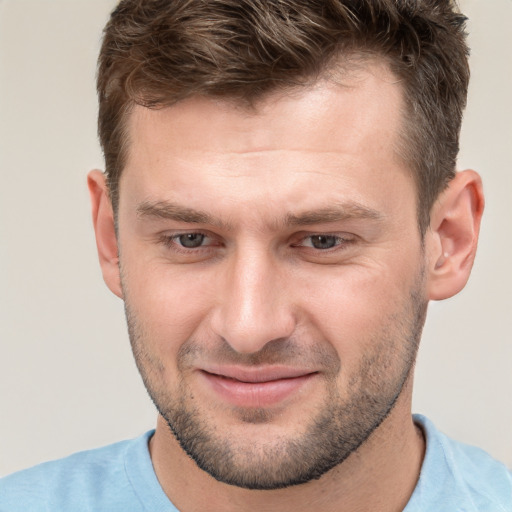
{"x": 279, "y": 205}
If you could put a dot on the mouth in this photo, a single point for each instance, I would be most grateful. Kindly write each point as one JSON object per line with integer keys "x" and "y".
{"x": 256, "y": 387}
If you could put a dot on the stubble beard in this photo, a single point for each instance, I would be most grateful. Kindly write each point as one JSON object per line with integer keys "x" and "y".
{"x": 339, "y": 428}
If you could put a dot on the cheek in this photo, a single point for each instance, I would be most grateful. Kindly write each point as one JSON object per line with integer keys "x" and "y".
{"x": 169, "y": 306}
{"x": 354, "y": 308}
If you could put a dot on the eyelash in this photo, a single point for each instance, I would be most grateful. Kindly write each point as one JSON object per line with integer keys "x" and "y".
{"x": 340, "y": 242}
{"x": 171, "y": 241}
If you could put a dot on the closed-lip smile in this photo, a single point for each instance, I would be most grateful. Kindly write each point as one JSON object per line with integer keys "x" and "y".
{"x": 262, "y": 386}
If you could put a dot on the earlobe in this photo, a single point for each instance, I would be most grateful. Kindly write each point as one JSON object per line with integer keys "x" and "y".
{"x": 104, "y": 228}
{"x": 453, "y": 236}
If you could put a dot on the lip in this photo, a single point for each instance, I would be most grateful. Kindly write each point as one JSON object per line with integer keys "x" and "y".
{"x": 256, "y": 387}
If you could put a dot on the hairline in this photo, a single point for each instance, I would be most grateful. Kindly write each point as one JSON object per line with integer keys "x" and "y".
{"x": 335, "y": 70}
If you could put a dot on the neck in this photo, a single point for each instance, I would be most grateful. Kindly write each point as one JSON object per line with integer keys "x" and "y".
{"x": 380, "y": 475}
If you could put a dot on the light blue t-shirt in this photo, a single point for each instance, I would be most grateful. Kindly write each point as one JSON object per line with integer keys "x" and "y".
{"x": 120, "y": 478}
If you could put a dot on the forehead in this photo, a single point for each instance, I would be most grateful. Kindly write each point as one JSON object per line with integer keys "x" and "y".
{"x": 363, "y": 95}
{"x": 330, "y": 135}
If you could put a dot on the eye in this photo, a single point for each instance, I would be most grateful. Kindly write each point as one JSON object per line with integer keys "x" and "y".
{"x": 190, "y": 246}
{"x": 323, "y": 241}
{"x": 190, "y": 240}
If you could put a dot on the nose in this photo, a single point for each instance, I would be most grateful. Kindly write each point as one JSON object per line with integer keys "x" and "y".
{"x": 255, "y": 307}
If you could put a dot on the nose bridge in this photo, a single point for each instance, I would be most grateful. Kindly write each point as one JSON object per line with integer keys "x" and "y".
{"x": 255, "y": 308}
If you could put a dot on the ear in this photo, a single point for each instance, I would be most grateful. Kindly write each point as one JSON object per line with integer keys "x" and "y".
{"x": 453, "y": 235}
{"x": 104, "y": 228}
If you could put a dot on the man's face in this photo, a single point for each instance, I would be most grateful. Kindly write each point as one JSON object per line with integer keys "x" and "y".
{"x": 272, "y": 272}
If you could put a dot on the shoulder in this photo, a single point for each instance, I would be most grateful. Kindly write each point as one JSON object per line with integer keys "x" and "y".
{"x": 460, "y": 476}
{"x": 89, "y": 480}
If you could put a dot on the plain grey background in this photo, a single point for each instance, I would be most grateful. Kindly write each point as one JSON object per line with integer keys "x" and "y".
{"x": 67, "y": 380}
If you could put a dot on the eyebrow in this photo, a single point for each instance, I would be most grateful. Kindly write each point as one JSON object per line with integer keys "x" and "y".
{"x": 173, "y": 211}
{"x": 341, "y": 212}
{"x": 337, "y": 213}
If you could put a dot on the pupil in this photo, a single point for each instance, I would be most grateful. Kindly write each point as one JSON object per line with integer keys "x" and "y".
{"x": 323, "y": 241}
{"x": 191, "y": 240}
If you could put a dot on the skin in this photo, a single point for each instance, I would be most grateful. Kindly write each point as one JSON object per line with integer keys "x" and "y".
{"x": 258, "y": 295}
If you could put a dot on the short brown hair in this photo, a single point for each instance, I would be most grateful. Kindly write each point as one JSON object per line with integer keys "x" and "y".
{"x": 158, "y": 52}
